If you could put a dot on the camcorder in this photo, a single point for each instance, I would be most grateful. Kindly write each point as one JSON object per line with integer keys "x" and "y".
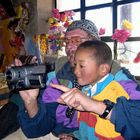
{"x": 29, "y": 76}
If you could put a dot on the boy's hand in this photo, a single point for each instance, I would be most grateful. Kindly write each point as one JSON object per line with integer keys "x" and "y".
{"x": 71, "y": 97}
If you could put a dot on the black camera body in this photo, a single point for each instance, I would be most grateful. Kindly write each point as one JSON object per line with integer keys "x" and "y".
{"x": 29, "y": 76}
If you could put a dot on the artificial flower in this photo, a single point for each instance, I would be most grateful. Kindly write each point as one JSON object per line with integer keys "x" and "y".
{"x": 69, "y": 13}
{"x": 58, "y": 24}
{"x": 102, "y": 31}
{"x": 51, "y": 21}
{"x": 54, "y": 47}
{"x": 127, "y": 25}
{"x": 137, "y": 59}
{"x": 56, "y": 14}
{"x": 55, "y": 10}
{"x": 66, "y": 24}
{"x": 121, "y": 35}
{"x": 63, "y": 18}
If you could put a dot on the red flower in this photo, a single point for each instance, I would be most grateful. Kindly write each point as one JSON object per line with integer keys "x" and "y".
{"x": 102, "y": 31}
{"x": 121, "y": 35}
{"x": 137, "y": 59}
{"x": 55, "y": 11}
{"x": 69, "y": 13}
{"x": 56, "y": 14}
{"x": 66, "y": 24}
{"x": 63, "y": 17}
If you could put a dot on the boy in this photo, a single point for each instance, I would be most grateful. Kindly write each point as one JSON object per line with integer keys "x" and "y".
{"x": 93, "y": 61}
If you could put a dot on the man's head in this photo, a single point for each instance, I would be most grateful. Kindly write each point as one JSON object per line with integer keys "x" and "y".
{"x": 78, "y": 32}
{"x": 93, "y": 60}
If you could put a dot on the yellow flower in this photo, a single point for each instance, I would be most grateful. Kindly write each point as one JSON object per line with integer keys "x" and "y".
{"x": 47, "y": 36}
{"x": 51, "y": 20}
{"x": 127, "y": 25}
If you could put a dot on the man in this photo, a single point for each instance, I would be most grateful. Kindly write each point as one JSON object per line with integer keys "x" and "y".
{"x": 39, "y": 118}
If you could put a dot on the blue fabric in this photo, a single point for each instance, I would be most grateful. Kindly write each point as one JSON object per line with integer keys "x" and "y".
{"x": 87, "y": 132}
{"x": 43, "y": 123}
{"x": 126, "y": 118}
{"x": 31, "y": 47}
{"x": 120, "y": 76}
{"x": 50, "y": 76}
{"x": 99, "y": 86}
{"x": 103, "y": 84}
{"x": 33, "y": 127}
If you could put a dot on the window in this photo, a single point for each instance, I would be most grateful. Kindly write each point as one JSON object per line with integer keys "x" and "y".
{"x": 105, "y": 18}
{"x": 126, "y": 57}
{"x": 96, "y": 2}
{"x": 63, "y": 5}
{"x": 109, "y": 14}
{"x": 77, "y": 16}
{"x": 128, "y": 11}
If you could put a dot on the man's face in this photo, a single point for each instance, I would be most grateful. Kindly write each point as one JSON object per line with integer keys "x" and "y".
{"x": 73, "y": 39}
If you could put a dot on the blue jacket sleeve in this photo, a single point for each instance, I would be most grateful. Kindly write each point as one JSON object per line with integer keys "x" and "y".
{"x": 40, "y": 125}
{"x": 126, "y": 118}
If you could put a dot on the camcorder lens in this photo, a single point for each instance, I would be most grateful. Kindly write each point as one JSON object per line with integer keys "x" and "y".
{"x": 8, "y": 75}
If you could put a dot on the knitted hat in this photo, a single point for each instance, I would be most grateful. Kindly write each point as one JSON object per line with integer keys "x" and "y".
{"x": 86, "y": 25}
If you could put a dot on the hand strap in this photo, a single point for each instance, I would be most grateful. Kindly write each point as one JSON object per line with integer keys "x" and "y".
{"x": 109, "y": 106}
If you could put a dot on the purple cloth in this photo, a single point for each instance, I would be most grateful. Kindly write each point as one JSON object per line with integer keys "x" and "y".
{"x": 130, "y": 88}
{"x": 51, "y": 95}
{"x": 61, "y": 117}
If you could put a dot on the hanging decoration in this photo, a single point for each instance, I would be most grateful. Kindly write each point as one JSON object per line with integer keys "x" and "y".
{"x": 13, "y": 34}
{"x": 40, "y": 42}
{"x": 58, "y": 24}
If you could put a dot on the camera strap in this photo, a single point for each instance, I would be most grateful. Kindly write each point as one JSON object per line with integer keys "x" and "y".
{"x": 70, "y": 111}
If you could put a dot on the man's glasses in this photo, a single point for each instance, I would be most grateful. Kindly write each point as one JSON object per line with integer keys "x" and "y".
{"x": 76, "y": 40}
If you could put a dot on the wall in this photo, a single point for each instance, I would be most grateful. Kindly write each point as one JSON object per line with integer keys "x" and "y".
{"x": 44, "y": 8}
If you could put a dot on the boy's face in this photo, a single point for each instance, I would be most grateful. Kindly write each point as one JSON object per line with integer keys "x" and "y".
{"x": 86, "y": 69}
{"x": 73, "y": 39}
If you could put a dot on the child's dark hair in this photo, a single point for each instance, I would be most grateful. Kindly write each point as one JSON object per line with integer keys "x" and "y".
{"x": 101, "y": 51}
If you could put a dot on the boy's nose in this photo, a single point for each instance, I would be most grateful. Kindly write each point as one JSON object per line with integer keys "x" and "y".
{"x": 76, "y": 71}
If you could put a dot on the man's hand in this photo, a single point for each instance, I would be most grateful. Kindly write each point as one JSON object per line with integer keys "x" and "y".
{"x": 66, "y": 137}
{"x": 29, "y": 96}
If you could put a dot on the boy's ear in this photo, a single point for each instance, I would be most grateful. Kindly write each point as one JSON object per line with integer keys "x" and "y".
{"x": 104, "y": 69}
